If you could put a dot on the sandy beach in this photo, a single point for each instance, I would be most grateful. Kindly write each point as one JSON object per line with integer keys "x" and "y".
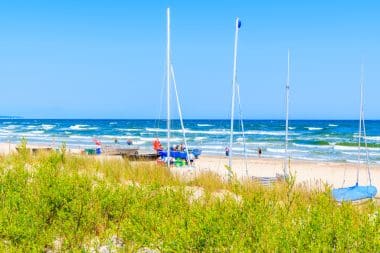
{"x": 308, "y": 172}
{"x": 311, "y": 173}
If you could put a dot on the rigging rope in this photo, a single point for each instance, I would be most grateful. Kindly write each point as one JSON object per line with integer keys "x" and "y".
{"x": 180, "y": 114}
{"x": 242, "y": 129}
{"x": 157, "y": 121}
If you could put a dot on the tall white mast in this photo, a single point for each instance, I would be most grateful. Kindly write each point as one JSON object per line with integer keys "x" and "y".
{"x": 287, "y": 158}
{"x": 360, "y": 121}
{"x": 168, "y": 81}
{"x": 237, "y": 26}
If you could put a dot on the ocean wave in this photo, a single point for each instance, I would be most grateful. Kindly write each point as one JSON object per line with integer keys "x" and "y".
{"x": 80, "y": 127}
{"x": 262, "y": 132}
{"x": 213, "y": 147}
{"x": 312, "y": 146}
{"x": 6, "y": 131}
{"x": 81, "y": 137}
{"x": 292, "y": 128}
{"x": 275, "y": 150}
{"x": 314, "y": 128}
{"x": 47, "y": 126}
{"x": 120, "y": 137}
{"x": 37, "y": 132}
{"x": 337, "y": 147}
{"x": 209, "y": 132}
{"x": 200, "y": 138}
{"x": 372, "y": 138}
{"x": 129, "y": 129}
{"x": 221, "y": 132}
{"x": 332, "y": 125}
{"x": 204, "y": 125}
{"x": 11, "y": 127}
{"x": 113, "y": 123}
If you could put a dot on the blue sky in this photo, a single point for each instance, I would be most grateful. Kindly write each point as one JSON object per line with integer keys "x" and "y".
{"x": 106, "y": 59}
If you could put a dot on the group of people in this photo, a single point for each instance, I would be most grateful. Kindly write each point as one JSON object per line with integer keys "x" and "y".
{"x": 158, "y": 147}
{"x": 180, "y": 147}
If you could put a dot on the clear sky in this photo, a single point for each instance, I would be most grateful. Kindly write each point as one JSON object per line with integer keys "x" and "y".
{"x": 106, "y": 59}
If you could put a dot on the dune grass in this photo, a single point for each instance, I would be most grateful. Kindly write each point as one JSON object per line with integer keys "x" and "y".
{"x": 80, "y": 202}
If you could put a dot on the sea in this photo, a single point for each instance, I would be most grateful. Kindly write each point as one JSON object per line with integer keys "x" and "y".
{"x": 323, "y": 140}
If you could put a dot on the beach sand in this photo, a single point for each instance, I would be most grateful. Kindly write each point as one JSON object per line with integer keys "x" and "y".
{"x": 307, "y": 172}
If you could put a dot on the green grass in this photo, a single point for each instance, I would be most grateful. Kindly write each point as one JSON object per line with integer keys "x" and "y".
{"x": 79, "y": 199}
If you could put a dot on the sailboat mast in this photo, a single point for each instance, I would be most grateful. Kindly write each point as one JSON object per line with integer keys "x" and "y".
{"x": 168, "y": 82}
{"x": 287, "y": 116}
{"x": 237, "y": 26}
{"x": 360, "y": 120}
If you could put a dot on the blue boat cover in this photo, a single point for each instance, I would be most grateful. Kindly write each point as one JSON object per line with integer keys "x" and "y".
{"x": 353, "y": 193}
{"x": 180, "y": 154}
{"x": 174, "y": 154}
{"x": 196, "y": 152}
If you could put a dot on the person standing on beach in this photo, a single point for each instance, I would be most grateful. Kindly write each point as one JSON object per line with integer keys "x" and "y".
{"x": 227, "y": 150}
{"x": 259, "y": 151}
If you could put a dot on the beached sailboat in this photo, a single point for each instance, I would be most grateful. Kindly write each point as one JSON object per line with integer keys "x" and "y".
{"x": 171, "y": 155}
{"x": 358, "y": 192}
{"x": 236, "y": 93}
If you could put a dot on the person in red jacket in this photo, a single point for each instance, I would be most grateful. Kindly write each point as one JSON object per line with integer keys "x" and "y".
{"x": 157, "y": 145}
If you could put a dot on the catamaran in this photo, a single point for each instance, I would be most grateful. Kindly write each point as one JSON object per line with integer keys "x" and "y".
{"x": 358, "y": 192}
{"x": 182, "y": 155}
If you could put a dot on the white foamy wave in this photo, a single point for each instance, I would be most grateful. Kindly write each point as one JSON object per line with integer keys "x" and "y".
{"x": 209, "y": 132}
{"x": 200, "y": 138}
{"x": 332, "y": 125}
{"x": 258, "y": 144}
{"x": 47, "y": 127}
{"x": 312, "y": 146}
{"x": 292, "y": 128}
{"x": 204, "y": 125}
{"x": 31, "y": 127}
{"x": 349, "y": 153}
{"x": 257, "y": 132}
{"x": 314, "y": 128}
{"x": 37, "y": 132}
{"x": 213, "y": 147}
{"x": 121, "y": 137}
{"x": 11, "y": 127}
{"x": 352, "y": 161}
{"x": 80, "y": 137}
{"x": 5, "y": 131}
{"x": 337, "y": 147}
{"x": 129, "y": 129}
{"x": 373, "y": 138}
{"x": 82, "y": 127}
{"x": 276, "y": 150}
{"x": 113, "y": 123}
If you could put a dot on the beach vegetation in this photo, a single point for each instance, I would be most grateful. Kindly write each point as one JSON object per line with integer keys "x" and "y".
{"x": 57, "y": 202}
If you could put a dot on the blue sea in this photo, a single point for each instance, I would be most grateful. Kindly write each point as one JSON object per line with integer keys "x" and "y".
{"x": 325, "y": 140}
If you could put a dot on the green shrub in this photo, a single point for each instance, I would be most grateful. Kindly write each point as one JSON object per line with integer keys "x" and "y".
{"x": 78, "y": 200}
